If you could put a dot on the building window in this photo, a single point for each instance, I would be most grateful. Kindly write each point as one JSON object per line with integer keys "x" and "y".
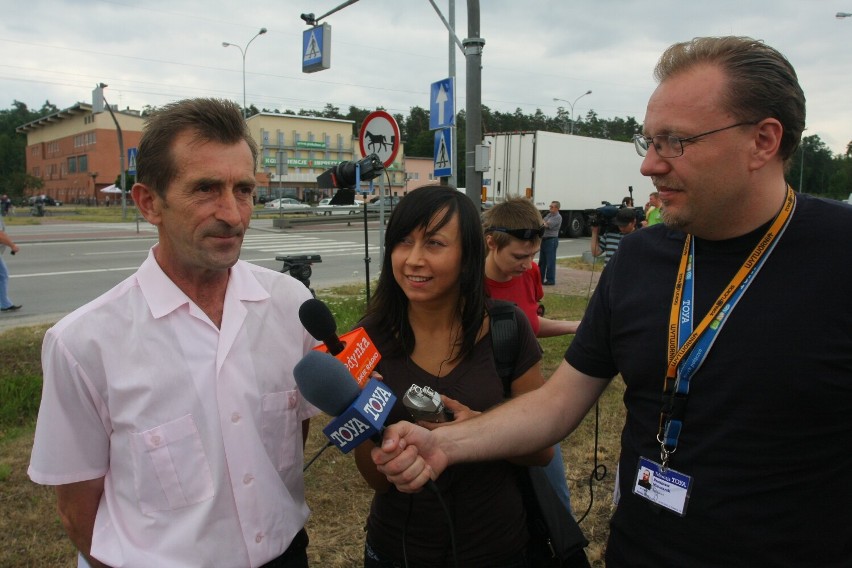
{"x": 72, "y": 165}
{"x": 83, "y": 163}
{"x": 36, "y": 171}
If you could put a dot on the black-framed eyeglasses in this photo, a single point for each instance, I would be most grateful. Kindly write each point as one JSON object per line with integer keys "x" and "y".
{"x": 668, "y": 146}
{"x": 523, "y": 234}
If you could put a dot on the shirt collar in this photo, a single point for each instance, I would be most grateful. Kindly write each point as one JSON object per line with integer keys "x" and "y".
{"x": 164, "y": 297}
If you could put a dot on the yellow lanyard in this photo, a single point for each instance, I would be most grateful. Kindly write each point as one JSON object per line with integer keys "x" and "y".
{"x": 674, "y": 392}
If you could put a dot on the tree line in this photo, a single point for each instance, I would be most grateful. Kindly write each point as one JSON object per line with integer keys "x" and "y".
{"x": 814, "y": 169}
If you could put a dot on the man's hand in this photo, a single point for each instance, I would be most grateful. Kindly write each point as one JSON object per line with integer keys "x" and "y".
{"x": 409, "y": 456}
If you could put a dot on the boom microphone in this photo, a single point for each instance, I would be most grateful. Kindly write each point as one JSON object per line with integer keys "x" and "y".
{"x": 360, "y": 413}
{"x": 354, "y": 349}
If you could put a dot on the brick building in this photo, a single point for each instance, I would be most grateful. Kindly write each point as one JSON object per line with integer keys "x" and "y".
{"x": 76, "y": 153}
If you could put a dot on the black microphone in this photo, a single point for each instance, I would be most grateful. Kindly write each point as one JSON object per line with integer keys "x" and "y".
{"x": 318, "y": 320}
{"x": 360, "y": 414}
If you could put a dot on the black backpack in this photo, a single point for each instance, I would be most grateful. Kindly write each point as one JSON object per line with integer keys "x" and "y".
{"x": 556, "y": 539}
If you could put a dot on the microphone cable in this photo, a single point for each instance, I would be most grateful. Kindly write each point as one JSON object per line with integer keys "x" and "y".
{"x": 316, "y": 455}
{"x": 433, "y": 487}
{"x": 599, "y": 470}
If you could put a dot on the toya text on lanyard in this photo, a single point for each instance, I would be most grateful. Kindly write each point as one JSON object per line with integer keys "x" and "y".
{"x": 688, "y": 347}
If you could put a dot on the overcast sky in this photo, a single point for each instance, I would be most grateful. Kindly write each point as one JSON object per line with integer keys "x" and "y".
{"x": 387, "y": 52}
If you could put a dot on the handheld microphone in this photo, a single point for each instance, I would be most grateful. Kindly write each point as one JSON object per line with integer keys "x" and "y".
{"x": 354, "y": 349}
{"x": 360, "y": 413}
{"x": 423, "y": 403}
{"x": 318, "y": 320}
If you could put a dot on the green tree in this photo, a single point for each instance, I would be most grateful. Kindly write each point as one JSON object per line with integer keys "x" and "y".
{"x": 14, "y": 179}
{"x": 812, "y": 167}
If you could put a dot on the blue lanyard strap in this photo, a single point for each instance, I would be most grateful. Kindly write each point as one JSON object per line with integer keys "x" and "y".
{"x": 688, "y": 347}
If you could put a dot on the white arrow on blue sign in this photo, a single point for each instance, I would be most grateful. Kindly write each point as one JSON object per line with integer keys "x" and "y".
{"x": 442, "y": 104}
{"x": 443, "y": 152}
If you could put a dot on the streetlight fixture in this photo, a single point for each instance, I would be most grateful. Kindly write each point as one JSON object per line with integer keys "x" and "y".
{"x": 571, "y": 105}
{"x": 243, "y": 52}
{"x": 841, "y": 15}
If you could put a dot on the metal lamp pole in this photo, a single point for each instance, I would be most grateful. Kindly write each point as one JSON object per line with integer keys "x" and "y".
{"x": 120, "y": 156}
{"x": 243, "y": 52}
{"x": 571, "y": 105}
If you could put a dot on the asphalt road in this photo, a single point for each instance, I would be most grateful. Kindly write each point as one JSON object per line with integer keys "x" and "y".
{"x": 61, "y": 266}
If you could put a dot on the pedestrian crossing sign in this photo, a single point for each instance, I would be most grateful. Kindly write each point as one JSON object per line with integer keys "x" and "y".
{"x": 316, "y": 48}
{"x": 443, "y": 153}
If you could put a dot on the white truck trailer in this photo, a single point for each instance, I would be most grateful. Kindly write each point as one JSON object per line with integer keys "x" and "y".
{"x": 580, "y": 173}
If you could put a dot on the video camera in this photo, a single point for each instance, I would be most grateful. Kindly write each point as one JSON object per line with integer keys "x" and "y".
{"x": 342, "y": 176}
{"x": 299, "y": 267}
{"x": 604, "y": 216}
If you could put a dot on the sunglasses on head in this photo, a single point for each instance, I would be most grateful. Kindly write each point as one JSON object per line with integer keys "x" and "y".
{"x": 523, "y": 234}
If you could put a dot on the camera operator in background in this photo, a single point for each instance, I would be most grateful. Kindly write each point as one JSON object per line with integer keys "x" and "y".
{"x": 606, "y": 243}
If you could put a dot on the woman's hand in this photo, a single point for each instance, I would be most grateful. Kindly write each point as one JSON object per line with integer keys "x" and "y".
{"x": 459, "y": 410}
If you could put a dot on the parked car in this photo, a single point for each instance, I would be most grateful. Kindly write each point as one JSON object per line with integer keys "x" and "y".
{"x": 288, "y": 204}
{"x": 326, "y": 208}
{"x": 44, "y": 199}
{"x": 389, "y": 203}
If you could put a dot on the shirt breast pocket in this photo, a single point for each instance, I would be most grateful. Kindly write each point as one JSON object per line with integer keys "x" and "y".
{"x": 170, "y": 467}
{"x": 282, "y": 433}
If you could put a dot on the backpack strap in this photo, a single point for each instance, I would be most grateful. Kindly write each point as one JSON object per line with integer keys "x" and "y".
{"x": 504, "y": 340}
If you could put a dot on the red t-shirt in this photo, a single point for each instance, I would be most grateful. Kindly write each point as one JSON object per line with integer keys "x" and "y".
{"x": 525, "y": 290}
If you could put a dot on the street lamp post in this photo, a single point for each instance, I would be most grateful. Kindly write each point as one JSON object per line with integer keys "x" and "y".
{"x": 102, "y": 86}
{"x": 243, "y": 52}
{"x": 571, "y": 105}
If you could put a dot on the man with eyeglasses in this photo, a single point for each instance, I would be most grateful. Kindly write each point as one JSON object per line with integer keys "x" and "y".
{"x": 733, "y": 309}
{"x": 549, "y": 243}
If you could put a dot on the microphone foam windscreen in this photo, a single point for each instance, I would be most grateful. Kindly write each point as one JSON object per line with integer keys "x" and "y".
{"x": 317, "y": 319}
{"x": 325, "y": 382}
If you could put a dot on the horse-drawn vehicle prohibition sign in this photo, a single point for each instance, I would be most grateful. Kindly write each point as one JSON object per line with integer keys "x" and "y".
{"x": 380, "y": 135}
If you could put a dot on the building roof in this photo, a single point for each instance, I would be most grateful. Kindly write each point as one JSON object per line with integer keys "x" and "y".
{"x": 60, "y": 115}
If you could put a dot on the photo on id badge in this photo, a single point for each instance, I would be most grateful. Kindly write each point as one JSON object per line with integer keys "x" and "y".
{"x": 662, "y": 486}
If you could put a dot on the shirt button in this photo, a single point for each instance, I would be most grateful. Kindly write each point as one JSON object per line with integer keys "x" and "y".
{"x": 248, "y": 478}
{"x": 259, "y": 537}
{"x": 235, "y": 417}
{"x": 156, "y": 440}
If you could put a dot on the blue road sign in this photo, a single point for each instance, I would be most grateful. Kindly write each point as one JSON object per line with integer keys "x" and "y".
{"x": 316, "y": 48}
{"x": 444, "y": 152}
{"x": 442, "y": 104}
{"x": 131, "y": 160}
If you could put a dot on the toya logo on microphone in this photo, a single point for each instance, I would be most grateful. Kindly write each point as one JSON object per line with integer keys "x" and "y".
{"x": 364, "y": 418}
{"x": 359, "y": 355}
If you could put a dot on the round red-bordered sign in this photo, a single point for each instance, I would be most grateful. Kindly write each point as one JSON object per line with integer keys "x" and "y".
{"x": 380, "y": 135}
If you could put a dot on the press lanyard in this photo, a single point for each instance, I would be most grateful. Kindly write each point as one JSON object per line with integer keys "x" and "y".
{"x": 688, "y": 347}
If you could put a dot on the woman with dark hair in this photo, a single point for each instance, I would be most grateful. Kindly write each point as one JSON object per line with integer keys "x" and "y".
{"x": 429, "y": 320}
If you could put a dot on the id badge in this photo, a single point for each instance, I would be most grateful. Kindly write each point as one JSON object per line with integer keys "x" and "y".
{"x": 669, "y": 488}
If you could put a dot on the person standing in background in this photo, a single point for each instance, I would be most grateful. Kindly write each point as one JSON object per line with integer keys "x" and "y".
{"x": 549, "y": 242}
{"x": 6, "y": 304}
{"x": 606, "y": 243}
{"x": 652, "y": 210}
